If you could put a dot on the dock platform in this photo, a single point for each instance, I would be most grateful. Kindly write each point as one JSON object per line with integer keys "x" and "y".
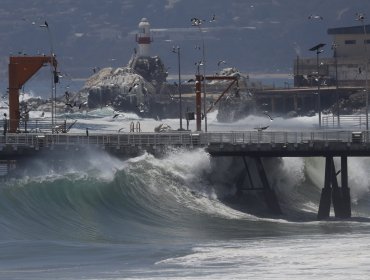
{"x": 15, "y": 149}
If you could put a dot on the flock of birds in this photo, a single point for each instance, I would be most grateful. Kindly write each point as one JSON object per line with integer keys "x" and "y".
{"x": 69, "y": 104}
{"x": 198, "y": 22}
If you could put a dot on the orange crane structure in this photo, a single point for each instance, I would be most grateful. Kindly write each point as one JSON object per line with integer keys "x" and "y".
{"x": 198, "y": 99}
{"x": 21, "y": 69}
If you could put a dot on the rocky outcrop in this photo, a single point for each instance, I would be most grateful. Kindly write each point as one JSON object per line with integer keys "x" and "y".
{"x": 239, "y": 103}
{"x": 135, "y": 88}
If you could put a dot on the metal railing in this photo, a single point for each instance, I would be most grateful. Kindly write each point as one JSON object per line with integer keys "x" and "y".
{"x": 347, "y": 121}
{"x": 42, "y": 125}
{"x": 182, "y": 138}
{"x": 253, "y": 137}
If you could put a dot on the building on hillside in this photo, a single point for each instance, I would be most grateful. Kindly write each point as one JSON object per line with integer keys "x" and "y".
{"x": 351, "y": 52}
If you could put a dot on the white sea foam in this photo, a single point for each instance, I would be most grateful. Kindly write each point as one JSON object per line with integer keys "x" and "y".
{"x": 278, "y": 258}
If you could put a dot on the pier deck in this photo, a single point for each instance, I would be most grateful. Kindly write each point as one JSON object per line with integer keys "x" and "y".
{"x": 254, "y": 144}
{"x": 238, "y": 143}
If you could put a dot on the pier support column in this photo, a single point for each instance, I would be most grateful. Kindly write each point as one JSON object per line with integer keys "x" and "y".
{"x": 346, "y": 197}
{"x": 248, "y": 173}
{"x": 325, "y": 200}
{"x": 336, "y": 194}
{"x": 269, "y": 194}
{"x": 332, "y": 192}
{"x": 241, "y": 178}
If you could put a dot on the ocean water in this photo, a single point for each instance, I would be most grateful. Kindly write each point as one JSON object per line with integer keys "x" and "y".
{"x": 176, "y": 217}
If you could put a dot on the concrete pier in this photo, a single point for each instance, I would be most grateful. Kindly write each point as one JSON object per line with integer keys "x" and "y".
{"x": 16, "y": 148}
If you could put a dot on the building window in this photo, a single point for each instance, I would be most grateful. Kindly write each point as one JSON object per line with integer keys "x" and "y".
{"x": 350, "y": 42}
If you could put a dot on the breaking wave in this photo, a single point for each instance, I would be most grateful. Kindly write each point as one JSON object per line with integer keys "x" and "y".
{"x": 184, "y": 194}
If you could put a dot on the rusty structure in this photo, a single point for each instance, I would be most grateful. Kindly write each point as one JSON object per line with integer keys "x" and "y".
{"x": 198, "y": 100}
{"x": 21, "y": 69}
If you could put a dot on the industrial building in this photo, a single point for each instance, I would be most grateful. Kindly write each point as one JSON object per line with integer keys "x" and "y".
{"x": 348, "y": 66}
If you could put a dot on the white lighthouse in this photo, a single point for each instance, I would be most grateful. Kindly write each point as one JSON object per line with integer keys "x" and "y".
{"x": 143, "y": 37}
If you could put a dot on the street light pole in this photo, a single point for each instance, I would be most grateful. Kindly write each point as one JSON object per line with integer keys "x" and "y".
{"x": 334, "y": 47}
{"x": 361, "y": 17}
{"x": 318, "y": 49}
{"x": 204, "y": 80}
{"x": 197, "y": 22}
{"x": 54, "y": 77}
{"x": 318, "y": 86}
{"x": 177, "y": 51}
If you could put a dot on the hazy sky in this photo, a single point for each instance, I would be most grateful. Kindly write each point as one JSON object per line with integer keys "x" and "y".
{"x": 253, "y": 36}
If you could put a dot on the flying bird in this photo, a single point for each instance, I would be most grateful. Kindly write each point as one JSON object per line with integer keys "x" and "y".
{"x": 262, "y": 128}
{"x": 360, "y": 16}
{"x": 45, "y": 24}
{"x": 196, "y": 21}
{"x": 221, "y": 62}
{"x": 271, "y": 119}
{"x": 119, "y": 130}
{"x": 115, "y": 116}
{"x": 190, "y": 81}
{"x": 132, "y": 87}
{"x": 82, "y": 104}
{"x": 315, "y": 17}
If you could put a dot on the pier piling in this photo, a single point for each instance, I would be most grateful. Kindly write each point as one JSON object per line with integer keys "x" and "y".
{"x": 340, "y": 196}
{"x": 268, "y": 193}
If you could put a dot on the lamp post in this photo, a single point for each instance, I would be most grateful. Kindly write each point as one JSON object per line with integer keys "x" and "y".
{"x": 361, "y": 17}
{"x": 177, "y": 51}
{"x": 54, "y": 77}
{"x": 318, "y": 50}
{"x": 334, "y": 48}
{"x": 197, "y": 22}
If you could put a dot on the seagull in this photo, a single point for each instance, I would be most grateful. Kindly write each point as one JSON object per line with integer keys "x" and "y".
{"x": 196, "y": 21}
{"x": 360, "y": 16}
{"x": 190, "y": 81}
{"x": 262, "y": 128}
{"x": 115, "y": 116}
{"x": 69, "y": 104}
{"x": 82, "y": 104}
{"x": 221, "y": 62}
{"x": 315, "y": 17}
{"x": 199, "y": 63}
{"x": 45, "y": 24}
{"x": 119, "y": 130}
{"x": 271, "y": 119}
{"x": 132, "y": 87}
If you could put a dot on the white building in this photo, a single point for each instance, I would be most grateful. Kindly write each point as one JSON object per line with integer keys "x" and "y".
{"x": 351, "y": 52}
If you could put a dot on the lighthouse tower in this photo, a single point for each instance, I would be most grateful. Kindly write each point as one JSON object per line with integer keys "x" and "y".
{"x": 143, "y": 38}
